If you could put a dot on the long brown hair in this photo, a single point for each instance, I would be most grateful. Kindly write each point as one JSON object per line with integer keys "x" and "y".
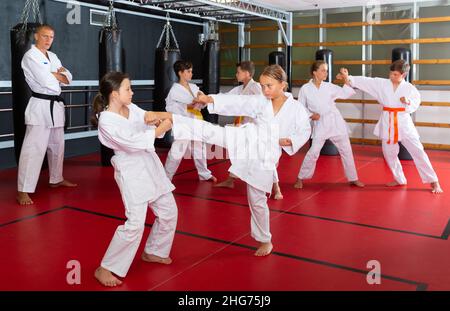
{"x": 276, "y": 72}
{"x": 109, "y": 83}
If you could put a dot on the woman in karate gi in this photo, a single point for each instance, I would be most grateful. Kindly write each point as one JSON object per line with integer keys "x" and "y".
{"x": 399, "y": 99}
{"x": 140, "y": 176}
{"x": 244, "y": 74}
{"x": 254, "y": 148}
{"x": 179, "y": 101}
{"x": 44, "y": 116}
{"x": 319, "y": 97}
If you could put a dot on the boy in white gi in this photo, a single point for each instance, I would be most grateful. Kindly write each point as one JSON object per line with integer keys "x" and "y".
{"x": 140, "y": 176}
{"x": 44, "y": 116}
{"x": 399, "y": 99}
{"x": 318, "y": 96}
{"x": 179, "y": 101}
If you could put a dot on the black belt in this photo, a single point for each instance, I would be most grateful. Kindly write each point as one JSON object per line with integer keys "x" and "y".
{"x": 51, "y": 98}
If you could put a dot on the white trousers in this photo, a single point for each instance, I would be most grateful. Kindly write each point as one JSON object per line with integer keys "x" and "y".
{"x": 344, "y": 147}
{"x": 38, "y": 141}
{"x": 260, "y": 216}
{"x": 179, "y": 149}
{"x": 126, "y": 239}
{"x": 420, "y": 158}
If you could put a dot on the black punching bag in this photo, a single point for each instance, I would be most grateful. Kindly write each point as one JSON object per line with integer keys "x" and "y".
{"x": 21, "y": 93}
{"x": 405, "y": 54}
{"x": 165, "y": 77}
{"x": 110, "y": 58}
{"x": 327, "y": 56}
{"x": 277, "y": 58}
{"x": 211, "y": 74}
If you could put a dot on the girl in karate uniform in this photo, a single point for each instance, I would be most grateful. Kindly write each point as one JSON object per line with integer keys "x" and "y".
{"x": 254, "y": 148}
{"x": 140, "y": 176}
{"x": 399, "y": 99}
{"x": 179, "y": 101}
{"x": 319, "y": 98}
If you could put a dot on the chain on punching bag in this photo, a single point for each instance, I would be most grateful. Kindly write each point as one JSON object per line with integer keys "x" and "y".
{"x": 166, "y": 54}
{"x": 110, "y": 58}
{"x": 404, "y": 54}
{"x": 211, "y": 68}
{"x": 327, "y": 56}
{"x": 21, "y": 36}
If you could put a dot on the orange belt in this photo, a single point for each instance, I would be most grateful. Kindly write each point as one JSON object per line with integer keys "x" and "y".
{"x": 238, "y": 121}
{"x": 196, "y": 113}
{"x": 393, "y": 111}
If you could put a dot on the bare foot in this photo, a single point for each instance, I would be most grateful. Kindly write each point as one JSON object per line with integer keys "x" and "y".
{"x": 264, "y": 249}
{"x": 298, "y": 184}
{"x": 228, "y": 183}
{"x": 212, "y": 179}
{"x": 106, "y": 278}
{"x": 64, "y": 183}
{"x": 155, "y": 259}
{"x": 357, "y": 183}
{"x": 436, "y": 188}
{"x": 277, "y": 195}
{"x": 23, "y": 198}
{"x": 394, "y": 184}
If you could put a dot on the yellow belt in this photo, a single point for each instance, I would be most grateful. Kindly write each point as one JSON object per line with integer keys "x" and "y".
{"x": 196, "y": 113}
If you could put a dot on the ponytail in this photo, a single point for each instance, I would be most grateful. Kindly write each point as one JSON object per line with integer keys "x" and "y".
{"x": 99, "y": 104}
{"x": 109, "y": 83}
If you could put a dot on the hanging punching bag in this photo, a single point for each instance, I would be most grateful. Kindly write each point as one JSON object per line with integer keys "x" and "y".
{"x": 404, "y": 54}
{"x": 110, "y": 58}
{"x": 165, "y": 77}
{"x": 21, "y": 93}
{"x": 327, "y": 56}
{"x": 211, "y": 74}
{"x": 277, "y": 58}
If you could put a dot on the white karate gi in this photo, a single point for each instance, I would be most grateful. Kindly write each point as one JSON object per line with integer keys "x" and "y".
{"x": 253, "y": 148}
{"x": 330, "y": 126}
{"x": 252, "y": 88}
{"x": 42, "y": 134}
{"x": 143, "y": 184}
{"x": 293, "y": 121}
{"x": 394, "y": 126}
{"x": 176, "y": 102}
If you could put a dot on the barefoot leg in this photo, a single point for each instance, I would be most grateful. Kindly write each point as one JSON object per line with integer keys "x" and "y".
{"x": 106, "y": 278}
{"x": 277, "y": 195}
{"x": 23, "y": 198}
{"x": 228, "y": 183}
{"x": 264, "y": 249}
{"x": 436, "y": 188}
{"x": 212, "y": 179}
{"x": 298, "y": 184}
{"x": 156, "y": 259}
{"x": 357, "y": 183}
{"x": 64, "y": 183}
{"x": 393, "y": 184}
